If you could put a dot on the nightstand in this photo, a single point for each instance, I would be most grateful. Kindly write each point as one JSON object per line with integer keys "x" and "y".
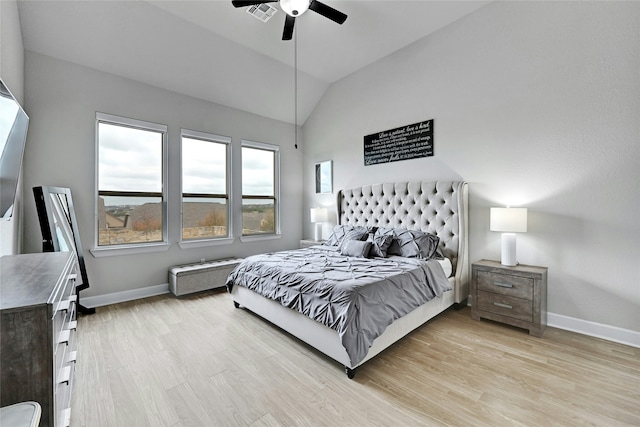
{"x": 516, "y": 296}
{"x": 305, "y": 243}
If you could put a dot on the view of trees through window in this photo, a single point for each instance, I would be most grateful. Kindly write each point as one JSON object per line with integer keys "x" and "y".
{"x": 204, "y": 187}
{"x": 258, "y": 191}
{"x": 130, "y": 179}
{"x": 131, "y": 206}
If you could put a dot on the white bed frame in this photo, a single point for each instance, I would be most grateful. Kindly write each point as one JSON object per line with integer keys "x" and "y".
{"x": 438, "y": 207}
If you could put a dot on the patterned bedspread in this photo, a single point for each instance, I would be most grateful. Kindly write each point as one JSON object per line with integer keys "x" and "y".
{"x": 357, "y": 297}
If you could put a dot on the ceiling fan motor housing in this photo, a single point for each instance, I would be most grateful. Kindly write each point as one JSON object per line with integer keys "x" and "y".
{"x": 294, "y": 7}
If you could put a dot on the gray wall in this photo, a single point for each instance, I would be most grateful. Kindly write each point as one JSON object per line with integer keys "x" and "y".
{"x": 62, "y": 100}
{"x": 535, "y": 104}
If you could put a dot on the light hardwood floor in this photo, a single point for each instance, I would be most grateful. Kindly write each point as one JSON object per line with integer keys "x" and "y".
{"x": 198, "y": 361}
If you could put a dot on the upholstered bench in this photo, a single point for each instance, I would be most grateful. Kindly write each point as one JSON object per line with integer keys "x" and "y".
{"x": 190, "y": 278}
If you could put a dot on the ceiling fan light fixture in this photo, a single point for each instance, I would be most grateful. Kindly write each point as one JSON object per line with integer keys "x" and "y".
{"x": 294, "y": 8}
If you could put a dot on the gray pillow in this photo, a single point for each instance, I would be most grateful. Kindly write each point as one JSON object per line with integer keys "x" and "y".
{"x": 338, "y": 233}
{"x": 358, "y": 233}
{"x": 418, "y": 244}
{"x": 379, "y": 244}
{"x": 394, "y": 247}
{"x": 356, "y": 248}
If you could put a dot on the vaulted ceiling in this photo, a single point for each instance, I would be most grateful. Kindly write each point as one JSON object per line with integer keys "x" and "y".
{"x": 210, "y": 50}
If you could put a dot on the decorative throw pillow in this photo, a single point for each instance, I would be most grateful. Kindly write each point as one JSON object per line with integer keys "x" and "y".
{"x": 418, "y": 244}
{"x": 394, "y": 247}
{"x": 379, "y": 244}
{"x": 358, "y": 233}
{"x": 338, "y": 233}
{"x": 355, "y": 248}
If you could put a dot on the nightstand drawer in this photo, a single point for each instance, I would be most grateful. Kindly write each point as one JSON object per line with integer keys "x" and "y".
{"x": 505, "y": 284}
{"x": 516, "y": 308}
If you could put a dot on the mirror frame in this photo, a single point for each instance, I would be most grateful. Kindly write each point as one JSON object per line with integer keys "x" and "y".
{"x": 324, "y": 177}
{"x": 44, "y": 197}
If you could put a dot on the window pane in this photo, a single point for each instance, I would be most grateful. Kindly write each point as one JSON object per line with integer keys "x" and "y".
{"x": 123, "y": 220}
{"x": 204, "y": 166}
{"x": 258, "y": 172}
{"x": 130, "y": 172}
{"x": 130, "y": 159}
{"x": 204, "y": 218}
{"x": 258, "y": 216}
{"x": 204, "y": 176}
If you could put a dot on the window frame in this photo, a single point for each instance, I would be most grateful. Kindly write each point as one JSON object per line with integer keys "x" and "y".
{"x": 276, "y": 191}
{"x": 138, "y": 247}
{"x": 218, "y": 139}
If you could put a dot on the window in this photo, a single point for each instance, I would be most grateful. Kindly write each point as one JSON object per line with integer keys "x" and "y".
{"x": 131, "y": 173}
{"x": 205, "y": 186}
{"x": 260, "y": 188}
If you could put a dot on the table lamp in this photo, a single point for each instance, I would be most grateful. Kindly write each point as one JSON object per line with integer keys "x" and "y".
{"x": 509, "y": 221}
{"x": 318, "y": 216}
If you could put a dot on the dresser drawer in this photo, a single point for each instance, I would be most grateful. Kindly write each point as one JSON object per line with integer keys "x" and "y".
{"x": 505, "y": 284}
{"x": 517, "y": 308}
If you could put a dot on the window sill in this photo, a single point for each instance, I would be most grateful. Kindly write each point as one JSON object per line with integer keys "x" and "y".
{"x": 106, "y": 251}
{"x": 259, "y": 237}
{"x": 188, "y": 244}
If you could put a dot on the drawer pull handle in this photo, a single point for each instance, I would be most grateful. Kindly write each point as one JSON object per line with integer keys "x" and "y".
{"x": 65, "y": 375}
{"x": 499, "y": 304}
{"x": 73, "y": 276}
{"x": 73, "y": 356}
{"x": 503, "y": 285}
{"x": 64, "y": 337}
{"x": 73, "y": 325}
{"x": 66, "y": 418}
{"x": 64, "y": 305}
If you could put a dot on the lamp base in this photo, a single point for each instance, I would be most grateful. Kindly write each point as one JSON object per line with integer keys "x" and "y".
{"x": 508, "y": 254}
{"x": 318, "y": 232}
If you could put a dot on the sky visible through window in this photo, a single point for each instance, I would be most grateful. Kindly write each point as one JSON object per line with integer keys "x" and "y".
{"x": 130, "y": 160}
{"x": 203, "y": 166}
{"x": 257, "y": 172}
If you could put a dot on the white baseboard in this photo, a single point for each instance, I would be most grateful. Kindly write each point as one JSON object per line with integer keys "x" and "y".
{"x": 585, "y": 327}
{"x": 116, "y": 297}
{"x": 593, "y": 329}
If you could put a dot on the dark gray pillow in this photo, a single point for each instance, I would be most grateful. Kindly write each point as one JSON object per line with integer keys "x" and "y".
{"x": 394, "y": 247}
{"x": 355, "y": 248}
{"x": 418, "y": 244}
{"x": 338, "y": 233}
{"x": 379, "y": 244}
{"x": 358, "y": 233}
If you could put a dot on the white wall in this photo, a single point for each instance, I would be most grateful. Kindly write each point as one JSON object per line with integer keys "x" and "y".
{"x": 12, "y": 73}
{"x": 535, "y": 104}
{"x": 62, "y": 99}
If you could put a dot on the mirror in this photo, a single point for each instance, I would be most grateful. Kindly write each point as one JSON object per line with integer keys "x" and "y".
{"x": 60, "y": 229}
{"x": 324, "y": 181}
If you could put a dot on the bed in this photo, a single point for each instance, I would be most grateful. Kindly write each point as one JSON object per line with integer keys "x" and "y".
{"x": 437, "y": 208}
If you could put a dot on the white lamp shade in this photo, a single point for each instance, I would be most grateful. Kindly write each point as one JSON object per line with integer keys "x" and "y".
{"x": 319, "y": 214}
{"x": 508, "y": 220}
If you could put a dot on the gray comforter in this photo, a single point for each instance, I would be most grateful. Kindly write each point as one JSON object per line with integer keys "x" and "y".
{"x": 357, "y": 297}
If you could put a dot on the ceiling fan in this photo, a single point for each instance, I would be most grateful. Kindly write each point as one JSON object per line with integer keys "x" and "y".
{"x": 295, "y": 8}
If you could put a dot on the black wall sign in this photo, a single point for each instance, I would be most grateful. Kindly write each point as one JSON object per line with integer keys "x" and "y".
{"x": 403, "y": 143}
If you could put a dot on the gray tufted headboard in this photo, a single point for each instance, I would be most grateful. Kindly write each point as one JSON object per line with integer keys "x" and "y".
{"x": 436, "y": 207}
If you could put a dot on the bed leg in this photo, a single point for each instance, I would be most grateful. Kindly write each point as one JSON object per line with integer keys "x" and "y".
{"x": 236, "y": 305}
{"x": 350, "y": 372}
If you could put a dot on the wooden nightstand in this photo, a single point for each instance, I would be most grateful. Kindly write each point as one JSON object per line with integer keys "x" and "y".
{"x": 516, "y": 296}
{"x": 305, "y": 243}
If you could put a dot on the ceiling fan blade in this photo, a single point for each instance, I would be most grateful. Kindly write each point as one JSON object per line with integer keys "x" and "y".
{"x": 328, "y": 11}
{"x": 289, "y": 22}
{"x": 245, "y": 3}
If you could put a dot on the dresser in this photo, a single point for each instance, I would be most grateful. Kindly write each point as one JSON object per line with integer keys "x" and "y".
{"x": 37, "y": 332}
{"x": 516, "y": 296}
